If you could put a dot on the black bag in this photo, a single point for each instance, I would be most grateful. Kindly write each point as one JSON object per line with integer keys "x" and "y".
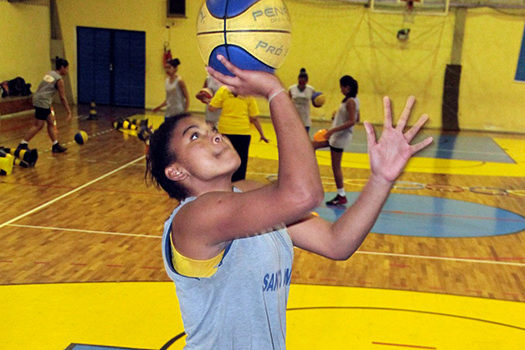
{"x": 16, "y": 87}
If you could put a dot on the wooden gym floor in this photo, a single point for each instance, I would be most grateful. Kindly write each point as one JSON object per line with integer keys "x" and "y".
{"x": 78, "y": 222}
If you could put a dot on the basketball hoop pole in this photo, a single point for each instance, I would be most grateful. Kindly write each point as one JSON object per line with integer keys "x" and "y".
{"x": 409, "y": 11}
{"x": 409, "y": 6}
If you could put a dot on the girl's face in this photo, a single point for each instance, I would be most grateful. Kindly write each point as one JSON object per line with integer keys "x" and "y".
{"x": 170, "y": 70}
{"x": 301, "y": 83}
{"x": 63, "y": 70}
{"x": 202, "y": 152}
{"x": 345, "y": 89}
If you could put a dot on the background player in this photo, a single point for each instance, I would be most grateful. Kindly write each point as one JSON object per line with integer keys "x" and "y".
{"x": 42, "y": 102}
{"x": 301, "y": 95}
{"x": 177, "y": 100}
{"x": 340, "y": 134}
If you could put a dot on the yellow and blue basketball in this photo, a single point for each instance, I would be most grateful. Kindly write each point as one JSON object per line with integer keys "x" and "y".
{"x": 6, "y": 163}
{"x": 252, "y": 34}
{"x": 318, "y": 99}
{"x": 81, "y": 137}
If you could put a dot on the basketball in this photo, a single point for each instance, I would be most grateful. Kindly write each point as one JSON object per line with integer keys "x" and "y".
{"x": 320, "y": 135}
{"x": 252, "y": 34}
{"x": 318, "y": 99}
{"x": 81, "y": 137}
{"x": 6, "y": 163}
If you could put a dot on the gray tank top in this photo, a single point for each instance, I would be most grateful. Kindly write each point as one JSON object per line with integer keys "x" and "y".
{"x": 175, "y": 100}
{"x": 302, "y": 100}
{"x": 342, "y": 138}
{"x": 243, "y": 305}
{"x": 43, "y": 97}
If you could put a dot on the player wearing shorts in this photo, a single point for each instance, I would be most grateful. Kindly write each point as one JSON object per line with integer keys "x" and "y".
{"x": 42, "y": 102}
{"x": 340, "y": 134}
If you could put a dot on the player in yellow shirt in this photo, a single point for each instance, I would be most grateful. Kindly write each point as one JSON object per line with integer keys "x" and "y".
{"x": 237, "y": 113}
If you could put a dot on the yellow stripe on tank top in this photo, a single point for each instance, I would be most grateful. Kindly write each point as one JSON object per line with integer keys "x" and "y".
{"x": 193, "y": 267}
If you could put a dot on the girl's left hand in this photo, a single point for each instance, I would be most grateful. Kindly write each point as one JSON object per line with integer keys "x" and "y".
{"x": 389, "y": 156}
{"x": 264, "y": 139}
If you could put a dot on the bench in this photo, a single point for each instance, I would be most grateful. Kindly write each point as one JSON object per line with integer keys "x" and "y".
{"x": 14, "y": 105}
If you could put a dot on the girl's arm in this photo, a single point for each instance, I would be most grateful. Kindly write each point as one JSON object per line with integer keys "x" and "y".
{"x": 63, "y": 98}
{"x": 255, "y": 121}
{"x": 350, "y": 108}
{"x": 156, "y": 109}
{"x": 203, "y": 227}
{"x": 388, "y": 157}
{"x": 186, "y": 96}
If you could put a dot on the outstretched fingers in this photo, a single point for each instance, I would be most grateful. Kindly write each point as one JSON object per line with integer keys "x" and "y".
{"x": 412, "y": 132}
{"x": 420, "y": 145}
{"x": 387, "y": 109}
{"x": 222, "y": 78}
{"x": 229, "y": 81}
{"x": 235, "y": 70}
{"x": 370, "y": 135}
{"x": 406, "y": 113}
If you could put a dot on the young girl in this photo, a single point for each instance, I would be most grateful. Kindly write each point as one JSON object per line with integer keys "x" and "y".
{"x": 229, "y": 248}
{"x": 177, "y": 100}
{"x": 42, "y": 102}
{"x": 340, "y": 134}
{"x": 301, "y": 95}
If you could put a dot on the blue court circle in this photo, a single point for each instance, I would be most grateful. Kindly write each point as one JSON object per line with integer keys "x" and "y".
{"x": 424, "y": 216}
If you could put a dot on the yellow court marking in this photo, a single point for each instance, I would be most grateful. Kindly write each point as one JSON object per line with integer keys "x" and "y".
{"x": 53, "y": 316}
{"x": 146, "y": 315}
{"x": 515, "y": 149}
{"x": 325, "y": 317}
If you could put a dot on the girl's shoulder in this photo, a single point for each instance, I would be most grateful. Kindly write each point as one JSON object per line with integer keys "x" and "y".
{"x": 350, "y": 100}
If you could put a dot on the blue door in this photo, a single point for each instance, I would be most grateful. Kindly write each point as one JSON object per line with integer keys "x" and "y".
{"x": 94, "y": 62}
{"x": 111, "y": 66}
{"x": 129, "y": 68}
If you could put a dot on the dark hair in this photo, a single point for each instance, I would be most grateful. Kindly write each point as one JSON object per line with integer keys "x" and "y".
{"x": 174, "y": 62}
{"x": 302, "y": 74}
{"x": 352, "y": 83}
{"x": 160, "y": 156}
{"x": 60, "y": 62}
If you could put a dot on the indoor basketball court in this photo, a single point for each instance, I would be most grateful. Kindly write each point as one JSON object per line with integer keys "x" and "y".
{"x": 443, "y": 267}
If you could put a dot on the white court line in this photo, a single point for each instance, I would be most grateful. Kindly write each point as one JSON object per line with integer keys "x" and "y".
{"x": 84, "y": 231}
{"x": 429, "y": 257}
{"x": 70, "y": 192}
{"x": 413, "y": 256}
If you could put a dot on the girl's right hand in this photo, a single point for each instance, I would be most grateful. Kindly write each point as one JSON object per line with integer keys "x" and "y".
{"x": 246, "y": 82}
{"x": 390, "y": 154}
